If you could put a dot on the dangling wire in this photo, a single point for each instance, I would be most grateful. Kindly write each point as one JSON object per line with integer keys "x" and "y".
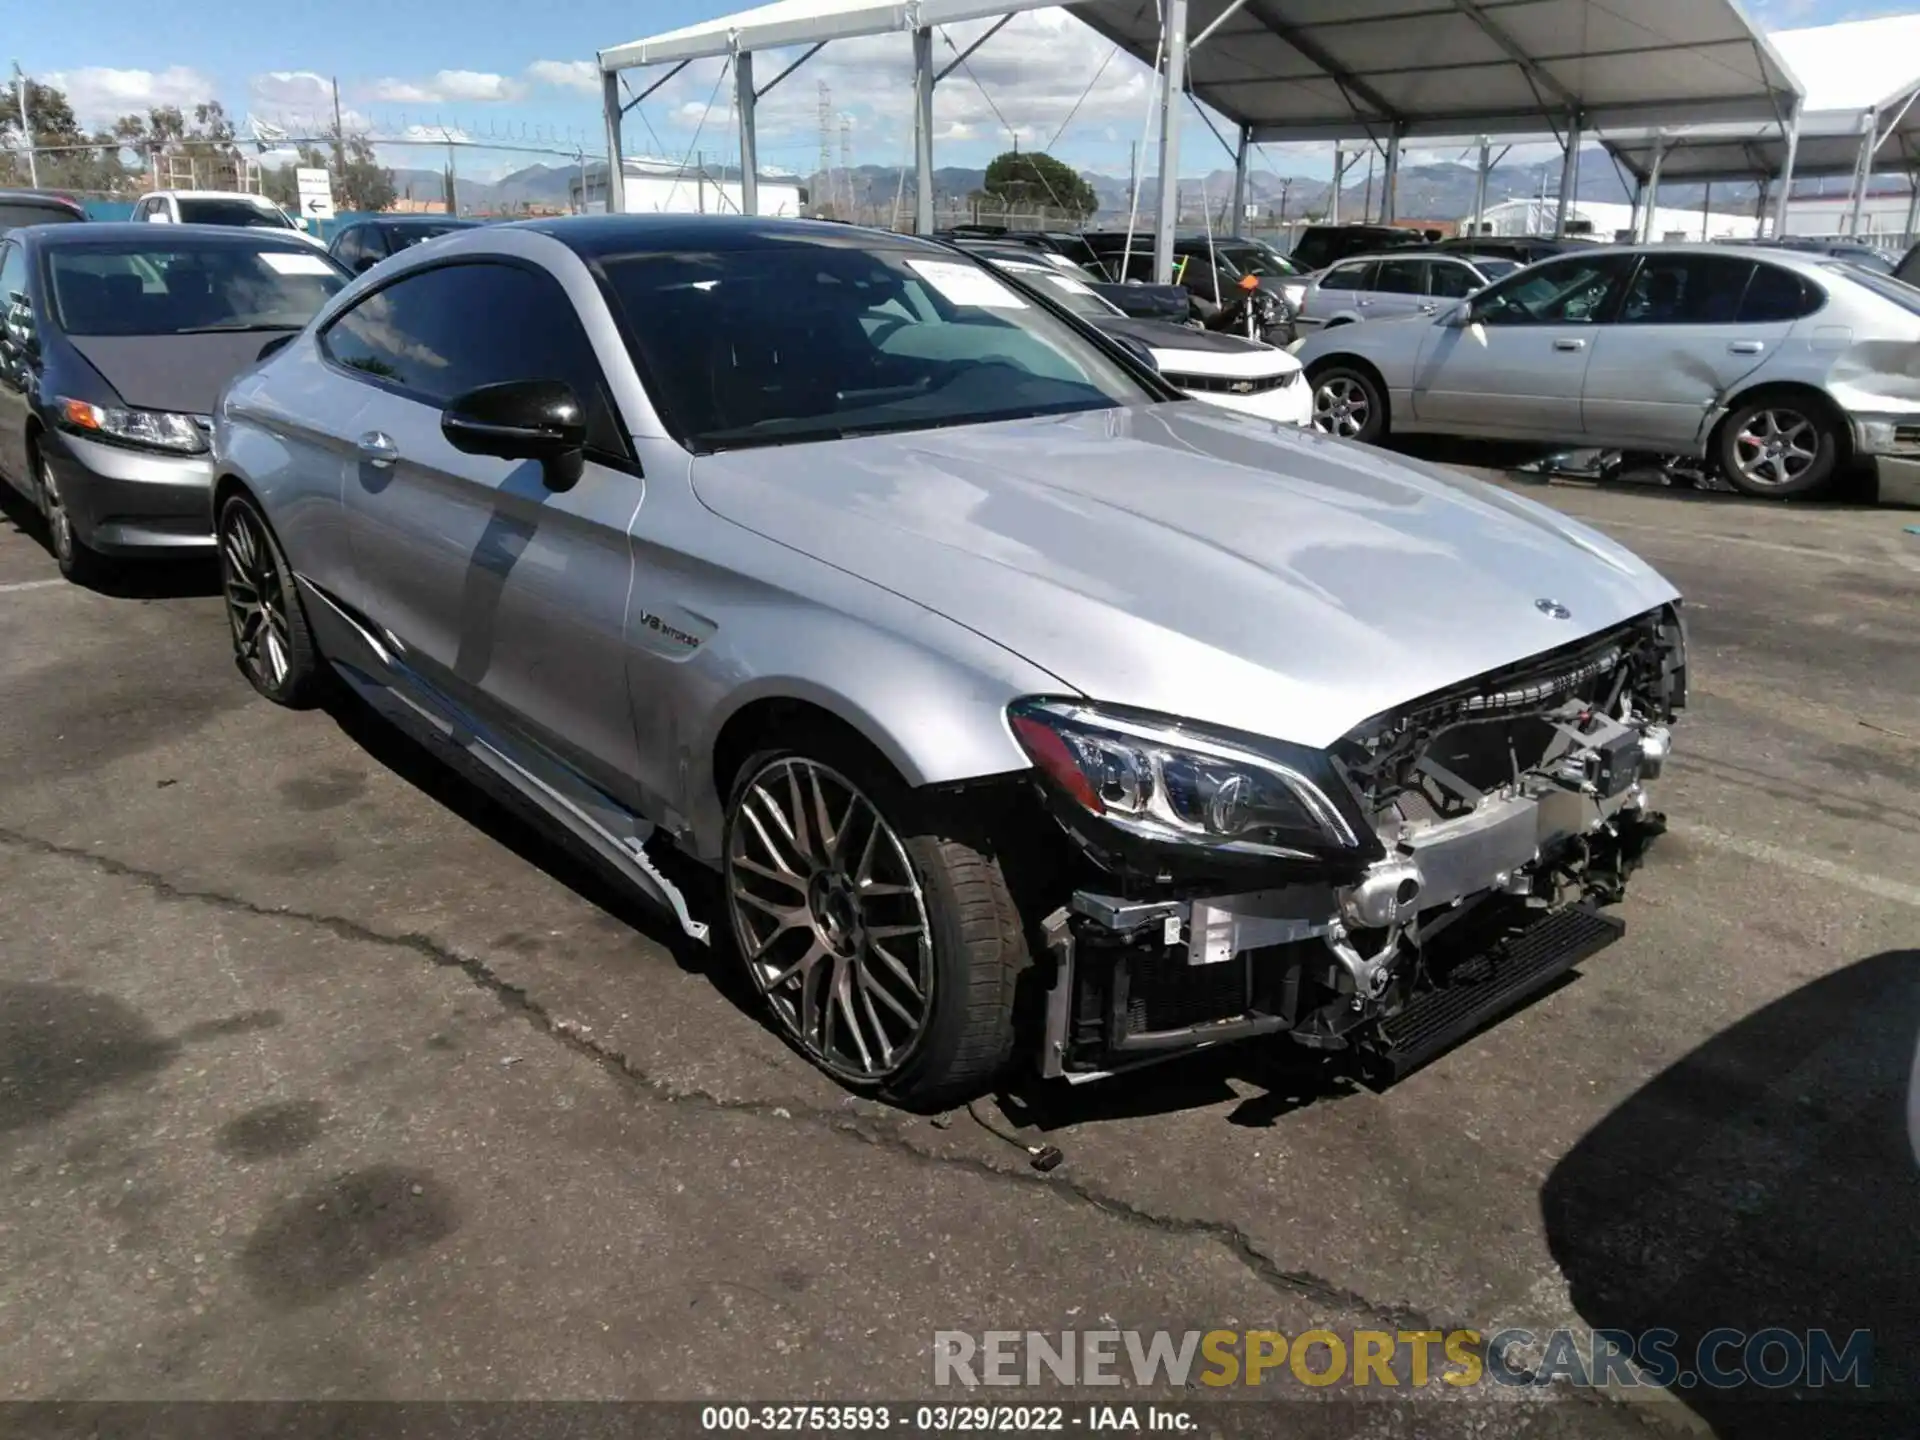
{"x": 712, "y": 95}
{"x": 1139, "y": 169}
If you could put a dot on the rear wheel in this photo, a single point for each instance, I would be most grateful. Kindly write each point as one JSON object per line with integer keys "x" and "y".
{"x": 884, "y": 943}
{"x": 1779, "y": 446}
{"x": 1348, "y": 403}
{"x": 271, "y": 642}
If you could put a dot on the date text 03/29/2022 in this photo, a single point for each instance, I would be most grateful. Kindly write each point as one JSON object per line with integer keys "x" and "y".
{"x": 962, "y": 1419}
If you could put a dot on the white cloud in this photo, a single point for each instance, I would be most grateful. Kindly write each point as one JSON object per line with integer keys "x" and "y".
{"x": 100, "y": 95}
{"x": 581, "y": 75}
{"x": 448, "y": 86}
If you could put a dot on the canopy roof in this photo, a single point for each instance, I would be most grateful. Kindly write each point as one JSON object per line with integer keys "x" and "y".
{"x": 1865, "y": 71}
{"x": 1331, "y": 69}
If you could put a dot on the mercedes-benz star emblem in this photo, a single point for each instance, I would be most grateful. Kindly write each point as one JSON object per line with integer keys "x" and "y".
{"x": 1553, "y": 609}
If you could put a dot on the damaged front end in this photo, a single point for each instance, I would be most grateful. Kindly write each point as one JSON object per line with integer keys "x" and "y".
{"x": 1388, "y": 895}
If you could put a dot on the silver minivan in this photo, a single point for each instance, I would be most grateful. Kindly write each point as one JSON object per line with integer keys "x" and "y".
{"x": 1374, "y": 287}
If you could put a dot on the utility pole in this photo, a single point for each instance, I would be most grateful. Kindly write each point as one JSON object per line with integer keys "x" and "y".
{"x": 1133, "y": 186}
{"x": 26, "y": 124}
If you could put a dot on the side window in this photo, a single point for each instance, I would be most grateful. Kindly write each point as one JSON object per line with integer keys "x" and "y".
{"x": 13, "y": 274}
{"x": 1401, "y": 277}
{"x": 141, "y": 210}
{"x": 1686, "y": 290}
{"x": 346, "y": 247}
{"x": 1348, "y": 277}
{"x": 1571, "y": 291}
{"x": 1774, "y": 295}
{"x": 439, "y": 333}
{"x": 1449, "y": 280}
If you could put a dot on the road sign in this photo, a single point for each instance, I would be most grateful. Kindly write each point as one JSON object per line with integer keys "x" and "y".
{"x": 316, "y": 193}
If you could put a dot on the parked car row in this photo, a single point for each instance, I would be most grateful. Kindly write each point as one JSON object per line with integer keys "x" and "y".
{"x": 1775, "y": 364}
{"x": 1023, "y": 709}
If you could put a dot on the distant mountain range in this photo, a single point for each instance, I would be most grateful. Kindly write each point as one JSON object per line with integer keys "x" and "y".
{"x": 1427, "y": 192}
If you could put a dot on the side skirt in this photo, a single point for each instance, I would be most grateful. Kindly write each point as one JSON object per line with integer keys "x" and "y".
{"x": 371, "y": 661}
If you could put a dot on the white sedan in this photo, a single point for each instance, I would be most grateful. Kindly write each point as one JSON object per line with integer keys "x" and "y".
{"x": 1226, "y": 370}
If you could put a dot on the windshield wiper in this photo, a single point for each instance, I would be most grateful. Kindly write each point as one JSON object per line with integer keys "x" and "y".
{"x": 237, "y": 327}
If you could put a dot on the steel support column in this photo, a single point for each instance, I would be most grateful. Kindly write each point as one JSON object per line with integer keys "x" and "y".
{"x": 1173, "y": 45}
{"x": 1569, "y": 173}
{"x": 1390, "y": 178}
{"x": 749, "y": 142}
{"x": 1240, "y": 157}
{"x": 1862, "y": 173}
{"x": 1781, "y": 200}
{"x": 923, "y": 131}
{"x": 1480, "y": 185}
{"x": 1333, "y": 196}
{"x": 1910, "y": 233}
{"x": 616, "y": 175}
{"x": 1647, "y": 220}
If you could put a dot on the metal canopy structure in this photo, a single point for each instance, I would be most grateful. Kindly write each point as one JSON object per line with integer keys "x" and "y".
{"x": 1290, "y": 70}
{"x": 1859, "y": 117}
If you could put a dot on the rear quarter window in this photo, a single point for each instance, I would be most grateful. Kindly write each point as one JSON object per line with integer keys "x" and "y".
{"x": 1774, "y": 294}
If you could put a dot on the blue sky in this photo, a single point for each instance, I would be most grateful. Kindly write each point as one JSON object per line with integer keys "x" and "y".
{"x": 505, "y": 71}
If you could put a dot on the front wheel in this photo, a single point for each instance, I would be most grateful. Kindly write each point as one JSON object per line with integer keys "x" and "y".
{"x": 1347, "y": 403}
{"x": 271, "y": 642}
{"x": 1779, "y": 447}
{"x": 78, "y": 561}
{"x": 886, "y": 946}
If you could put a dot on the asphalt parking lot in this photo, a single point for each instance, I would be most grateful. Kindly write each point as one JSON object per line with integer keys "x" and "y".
{"x": 322, "y": 1076}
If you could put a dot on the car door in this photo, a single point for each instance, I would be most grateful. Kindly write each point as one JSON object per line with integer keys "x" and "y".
{"x": 1336, "y": 295}
{"x": 15, "y": 316}
{"x": 1683, "y": 337}
{"x": 508, "y": 598}
{"x": 1448, "y": 283}
{"x": 1399, "y": 287}
{"x": 1511, "y": 362}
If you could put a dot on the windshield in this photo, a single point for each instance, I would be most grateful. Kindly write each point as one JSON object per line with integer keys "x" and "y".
{"x": 1494, "y": 269}
{"x": 1061, "y": 288}
{"x": 1885, "y": 286}
{"x": 1254, "y": 260}
{"x": 232, "y": 212}
{"x": 17, "y": 213}
{"x": 802, "y": 342}
{"x": 405, "y": 235}
{"x": 180, "y": 287}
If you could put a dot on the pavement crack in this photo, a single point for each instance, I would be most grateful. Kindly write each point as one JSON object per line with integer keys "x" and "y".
{"x": 879, "y": 1131}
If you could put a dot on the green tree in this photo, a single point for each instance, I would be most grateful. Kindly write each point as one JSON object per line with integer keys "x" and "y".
{"x": 1033, "y": 180}
{"x": 362, "y": 182}
{"x": 68, "y": 157}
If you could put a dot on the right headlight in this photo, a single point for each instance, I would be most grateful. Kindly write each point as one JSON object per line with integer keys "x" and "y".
{"x": 1162, "y": 780}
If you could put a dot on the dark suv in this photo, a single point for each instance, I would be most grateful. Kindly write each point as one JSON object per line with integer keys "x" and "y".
{"x": 1322, "y": 245}
{"x": 1909, "y": 269}
{"x": 1521, "y": 249}
{"x": 20, "y": 208}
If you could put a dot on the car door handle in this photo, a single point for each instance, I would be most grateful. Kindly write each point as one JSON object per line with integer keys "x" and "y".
{"x": 1363, "y": 303}
{"x": 1745, "y": 347}
{"x": 1428, "y": 309}
{"x": 377, "y": 448}
{"x": 1569, "y": 344}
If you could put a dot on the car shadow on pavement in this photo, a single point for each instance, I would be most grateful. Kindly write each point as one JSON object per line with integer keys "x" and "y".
{"x": 501, "y": 815}
{"x": 129, "y": 580}
{"x": 1767, "y": 1181}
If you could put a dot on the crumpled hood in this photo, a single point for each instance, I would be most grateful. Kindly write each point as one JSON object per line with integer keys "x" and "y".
{"x": 1190, "y": 561}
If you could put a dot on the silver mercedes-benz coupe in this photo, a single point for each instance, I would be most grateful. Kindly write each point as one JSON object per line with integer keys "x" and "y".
{"x": 1024, "y": 708}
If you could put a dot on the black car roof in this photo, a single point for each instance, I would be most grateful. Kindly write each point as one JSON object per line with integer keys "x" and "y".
{"x": 108, "y": 232}
{"x": 444, "y": 222}
{"x": 594, "y": 237}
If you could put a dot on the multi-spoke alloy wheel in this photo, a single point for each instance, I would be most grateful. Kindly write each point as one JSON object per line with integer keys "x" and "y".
{"x": 831, "y": 918}
{"x": 1343, "y": 405}
{"x": 77, "y": 562}
{"x": 1775, "y": 448}
{"x": 255, "y": 600}
{"x": 270, "y": 638}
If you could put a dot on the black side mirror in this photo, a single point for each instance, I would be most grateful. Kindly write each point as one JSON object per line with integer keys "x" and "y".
{"x": 522, "y": 420}
{"x": 276, "y": 345}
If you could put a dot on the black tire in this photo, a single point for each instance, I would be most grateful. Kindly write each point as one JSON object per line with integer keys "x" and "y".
{"x": 1347, "y": 402}
{"x": 78, "y": 561}
{"x": 1776, "y": 447}
{"x": 272, "y": 643}
{"x": 977, "y": 946}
